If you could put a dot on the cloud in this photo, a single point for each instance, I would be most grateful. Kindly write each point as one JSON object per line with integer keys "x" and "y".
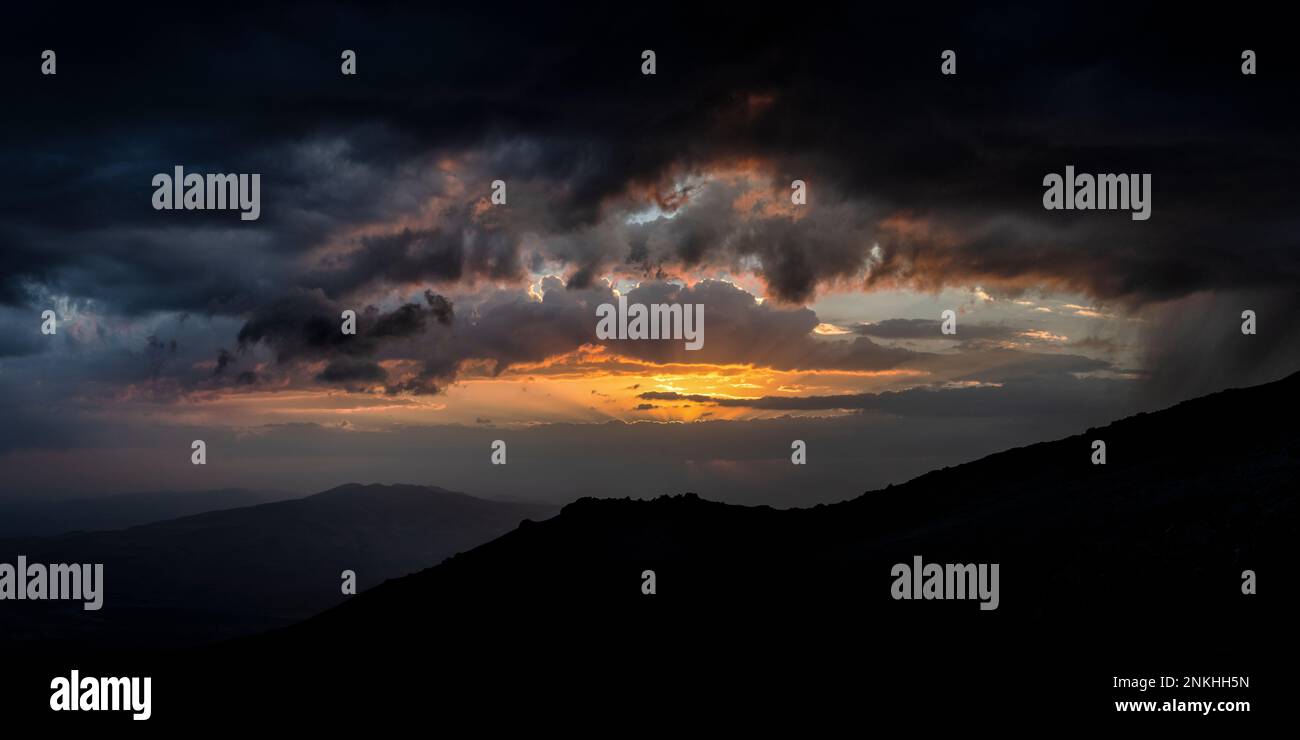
{"x": 931, "y": 329}
{"x": 430, "y": 341}
{"x": 351, "y": 371}
{"x": 1195, "y": 345}
{"x": 740, "y": 329}
{"x": 374, "y": 186}
{"x": 20, "y": 333}
{"x": 676, "y": 184}
{"x": 1023, "y": 399}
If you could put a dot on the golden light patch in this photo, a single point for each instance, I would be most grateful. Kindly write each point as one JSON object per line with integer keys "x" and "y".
{"x": 1045, "y": 336}
{"x": 830, "y": 330}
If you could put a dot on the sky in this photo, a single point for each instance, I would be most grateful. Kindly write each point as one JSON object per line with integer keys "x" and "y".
{"x": 477, "y": 321}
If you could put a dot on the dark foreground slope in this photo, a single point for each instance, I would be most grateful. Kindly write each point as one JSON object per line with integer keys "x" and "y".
{"x": 1132, "y": 569}
{"x": 241, "y": 571}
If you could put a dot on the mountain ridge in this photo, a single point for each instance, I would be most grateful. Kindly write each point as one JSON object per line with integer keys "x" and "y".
{"x": 1109, "y": 568}
{"x": 1106, "y": 570}
{"x": 237, "y": 571}
{"x": 25, "y": 517}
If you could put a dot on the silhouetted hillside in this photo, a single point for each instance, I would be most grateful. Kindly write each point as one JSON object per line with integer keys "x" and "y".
{"x": 1189, "y": 497}
{"x": 1129, "y": 568}
{"x": 1132, "y": 568}
{"x": 37, "y": 518}
{"x": 239, "y": 571}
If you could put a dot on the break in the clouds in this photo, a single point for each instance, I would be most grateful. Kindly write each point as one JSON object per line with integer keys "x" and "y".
{"x": 505, "y": 328}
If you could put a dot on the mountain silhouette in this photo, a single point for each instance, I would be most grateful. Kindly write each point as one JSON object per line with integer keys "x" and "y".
{"x": 240, "y": 571}
{"x": 38, "y": 517}
{"x": 1188, "y": 498}
{"x": 1131, "y": 568}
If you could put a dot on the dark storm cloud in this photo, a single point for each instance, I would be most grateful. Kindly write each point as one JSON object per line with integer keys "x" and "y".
{"x": 914, "y": 178}
{"x": 410, "y": 318}
{"x": 223, "y": 361}
{"x": 307, "y": 325}
{"x": 506, "y": 327}
{"x": 459, "y": 249}
{"x": 348, "y": 371}
{"x": 848, "y": 99}
{"x": 371, "y": 194}
{"x": 1197, "y": 346}
{"x": 301, "y": 325}
{"x": 930, "y": 329}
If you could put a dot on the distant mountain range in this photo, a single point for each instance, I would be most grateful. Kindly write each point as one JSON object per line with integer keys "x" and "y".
{"x": 225, "y": 573}
{"x": 34, "y": 518}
